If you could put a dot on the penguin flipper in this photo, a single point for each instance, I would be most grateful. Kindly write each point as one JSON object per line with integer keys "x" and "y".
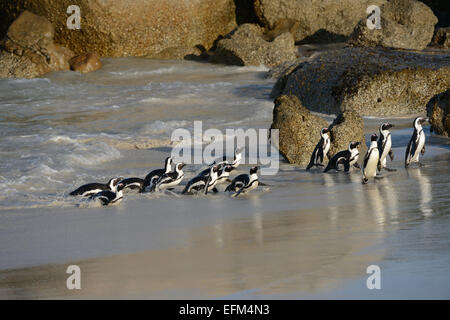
{"x": 423, "y": 150}
{"x": 407, "y": 152}
{"x": 313, "y": 157}
{"x": 346, "y": 166}
{"x": 391, "y": 155}
{"x": 379, "y": 166}
{"x": 238, "y": 192}
{"x": 356, "y": 165}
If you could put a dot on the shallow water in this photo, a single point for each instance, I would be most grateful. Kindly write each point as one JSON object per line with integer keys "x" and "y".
{"x": 306, "y": 235}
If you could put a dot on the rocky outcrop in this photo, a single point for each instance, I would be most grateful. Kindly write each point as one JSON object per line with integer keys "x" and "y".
{"x": 314, "y": 16}
{"x": 370, "y": 81}
{"x": 441, "y": 38}
{"x": 246, "y": 46}
{"x": 29, "y": 50}
{"x": 405, "y": 24}
{"x": 438, "y": 110}
{"x": 348, "y": 126}
{"x": 299, "y": 130}
{"x": 85, "y": 63}
{"x": 133, "y": 28}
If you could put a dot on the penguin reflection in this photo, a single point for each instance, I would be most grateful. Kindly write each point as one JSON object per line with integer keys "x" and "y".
{"x": 423, "y": 183}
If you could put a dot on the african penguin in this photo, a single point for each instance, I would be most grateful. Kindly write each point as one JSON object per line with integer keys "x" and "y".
{"x": 199, "y": 183}
{"x": 417, "y": 143}
{"x": 151, "y": 178}
{"x": 170, "y": 179}
{"x": 109, "y": 196}
{"x": 244, "y": 182}
{"x": 133, "y": 183}
{"x": 347, "y": 157}
{"x": 385, "y": 146}
{"x": 93, "y": 188}
{"x": 371, "y": 159}
{"x": 321, "y": 150}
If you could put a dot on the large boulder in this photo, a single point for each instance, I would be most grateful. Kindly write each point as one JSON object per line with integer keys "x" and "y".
{"x": 246, "y": 46}
{"x": 348, "y": 126}
{"x": 29, "y": 50}
{"x": 299, "y": 129}
{"x": 438, "y": 110}
{"x": 314, "y": 16}
{"x": 405, "y": 24}
{"x": 441, "y": 38}
{"x": 133, "y": 28}
{"x": 370, "y": 81}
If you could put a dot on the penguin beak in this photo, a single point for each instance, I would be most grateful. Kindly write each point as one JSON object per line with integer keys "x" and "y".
{"x": 182, "y": 165}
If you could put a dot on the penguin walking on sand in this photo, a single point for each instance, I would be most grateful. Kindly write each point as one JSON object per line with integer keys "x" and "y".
{"x": 385, "y": 146}
{"x": 151, "y": 178}
{"x": 347, "y": 157}
{"x": 321, "y": 150}
{"x": 108, "y": 197}
{"x": 171, "y": 179}
{"x": 95, "y": 187}
{"x": 371, "y": 160}
{"x": 244, "y": 182}
{"x": 416, "y": 144}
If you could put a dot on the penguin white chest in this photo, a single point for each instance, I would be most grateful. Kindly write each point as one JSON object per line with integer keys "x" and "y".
{"x": 387, "y": 148}
{"x": 370, "y": 169}
{"x": 420, "y": 144}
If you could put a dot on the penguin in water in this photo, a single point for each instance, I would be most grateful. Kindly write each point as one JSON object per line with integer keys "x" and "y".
{"x": 205, "y": 182}
{"x": 244, "y": 182}
{"x": 417, "y": 143}
{"x": 347, "y": 157}
{"x": 108, "y": 197}
{"x": 321, "y": 150}
{"x": 371, "y": 160}
{"x": 170, "y": 179}
{"x": 385, "y": 146}
{"x": 151, "y": 178}
{"x": 236, "y": 161}
{"x": 133, "y": 183}
{"x": 93, "y": 188}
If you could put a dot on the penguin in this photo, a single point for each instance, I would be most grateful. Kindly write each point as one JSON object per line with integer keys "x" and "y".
{"x": 151, "y": 178}
{"x": 170, "y": 179}
{"x": 417, "y": 143}
{"x": 321, "y": 150}
{"x": 236, "y": 161}
{"x": 244, "y": 182}
{"x": 93, "y": 188}
{"x": 371, "y": 160}
{"x": 108, "y": 197}
{"x": 385, "y": 146}
{"x": 133, "y": 183}
{"x": 199, "y": 183}
{"x": 347, "y": 157}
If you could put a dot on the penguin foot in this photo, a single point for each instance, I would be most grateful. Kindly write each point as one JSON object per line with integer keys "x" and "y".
{"x": 364, "y": 180}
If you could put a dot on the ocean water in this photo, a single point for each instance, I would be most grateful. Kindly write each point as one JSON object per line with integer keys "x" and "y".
{"x": 307, "y": 234}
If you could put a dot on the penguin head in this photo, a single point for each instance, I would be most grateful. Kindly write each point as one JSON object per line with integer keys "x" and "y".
{"x": 112, "y": 183}
{"x": 254, "y": 170}
{"x": 354, "y": 144}
{"x": 324, "y": 131}
{"x": 180, "y": 166}
{"x": 120, "y": 186}
{"x": 386, "y": 126}
{"x": 374, "y": 137}
{"x": 228, "y": 168}
{"x": 419, "y": 121}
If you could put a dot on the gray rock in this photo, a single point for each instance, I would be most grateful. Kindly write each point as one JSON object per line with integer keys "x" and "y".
{"x": 299, "y": 129}
{"x": 370, "y": 81}
{"x": 405, "y": 24}
{"x": 246, "y": 46}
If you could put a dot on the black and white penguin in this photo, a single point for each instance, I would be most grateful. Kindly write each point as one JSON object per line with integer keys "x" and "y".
{"x": 170, "y": 179}
{"x": 371, "y": 159}
{"x": 244, "y": 182}
{"x": 199, "y": 183}
{"x": 133, "y": 183}
{"x": 108, "y": 197}
{"x": 93, "y": 188}
{"x": 347, "y": 157}
{"x": 417, "y": 143}
{"x": 151, "y": 178}
{"x": 236, "y": 161}
{"x": 385, "y": 146}
{"x": 321, "y": 150}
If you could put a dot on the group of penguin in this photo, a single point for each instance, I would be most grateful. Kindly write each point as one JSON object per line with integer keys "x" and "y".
{"x": 375, "y": 158}
{"x": 205, "y": 181}
{"x": 218, "y": 172}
